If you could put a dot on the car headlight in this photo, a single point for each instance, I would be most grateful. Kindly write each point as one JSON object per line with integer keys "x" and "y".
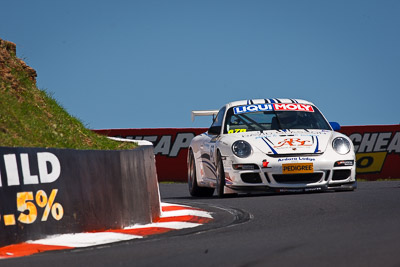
{"x": 341, "y": 145}
{"x": 241, "y": 148}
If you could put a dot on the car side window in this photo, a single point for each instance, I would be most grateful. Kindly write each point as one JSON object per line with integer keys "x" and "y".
{"x": 220, "y": 117}
{"x": 217, "y": 123}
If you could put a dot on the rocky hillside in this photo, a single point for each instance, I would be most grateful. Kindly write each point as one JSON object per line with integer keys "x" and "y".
{"x": 29, "y": 117}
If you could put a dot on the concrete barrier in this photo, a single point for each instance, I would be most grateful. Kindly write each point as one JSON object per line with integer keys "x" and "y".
{"x": 55, "y": 191}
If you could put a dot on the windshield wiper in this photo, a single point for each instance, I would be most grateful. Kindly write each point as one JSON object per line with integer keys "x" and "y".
{"x": 252, "y": 121}
{"x": 279, "y": 122}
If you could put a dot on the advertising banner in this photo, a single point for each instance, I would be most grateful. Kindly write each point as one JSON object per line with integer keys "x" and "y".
{"x": 377, "y": 149}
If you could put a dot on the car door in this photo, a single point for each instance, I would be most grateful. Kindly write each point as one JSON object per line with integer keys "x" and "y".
{"x": 208, "y": 147}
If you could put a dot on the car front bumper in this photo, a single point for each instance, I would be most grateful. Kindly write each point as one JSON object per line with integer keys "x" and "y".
{"x": 251, "y": 174}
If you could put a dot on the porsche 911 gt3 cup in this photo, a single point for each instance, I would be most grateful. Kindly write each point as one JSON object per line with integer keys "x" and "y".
{"x": 283, "y": 145}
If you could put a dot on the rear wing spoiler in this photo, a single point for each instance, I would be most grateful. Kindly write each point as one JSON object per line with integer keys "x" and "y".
{"x": 203, "y": 113}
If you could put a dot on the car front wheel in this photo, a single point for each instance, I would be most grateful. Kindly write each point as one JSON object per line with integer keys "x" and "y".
{"x": 194, "y": 189}
{"x": 220, "y": 177}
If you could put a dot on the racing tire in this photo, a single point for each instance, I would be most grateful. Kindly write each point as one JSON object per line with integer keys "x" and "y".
{"x": 220, "y": 185}
{"x": 194, "y": 189}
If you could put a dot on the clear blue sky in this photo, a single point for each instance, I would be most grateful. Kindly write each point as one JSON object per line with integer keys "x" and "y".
{"x": 139, "y": 64}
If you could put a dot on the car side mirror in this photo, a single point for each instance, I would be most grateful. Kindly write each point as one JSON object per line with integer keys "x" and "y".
{"x": 214, "y": 130}
{"x": 335, "y": 126}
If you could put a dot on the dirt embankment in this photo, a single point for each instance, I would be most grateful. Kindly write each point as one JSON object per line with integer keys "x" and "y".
{"x": 10, "y": 65}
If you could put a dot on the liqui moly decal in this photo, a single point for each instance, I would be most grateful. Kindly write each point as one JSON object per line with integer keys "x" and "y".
{"x": 293, "y": 107}
{"x": 252, "y": 108}
{"x": 270, "y": 107}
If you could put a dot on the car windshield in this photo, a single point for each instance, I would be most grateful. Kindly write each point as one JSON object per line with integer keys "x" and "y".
{"x": 274, "y": 120}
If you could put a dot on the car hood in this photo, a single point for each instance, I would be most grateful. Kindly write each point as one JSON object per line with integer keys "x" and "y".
{"x": 287, "y": 141}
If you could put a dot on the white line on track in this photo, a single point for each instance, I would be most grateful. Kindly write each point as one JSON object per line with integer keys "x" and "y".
{"x": 80, "y": 240}
{"x": 170, "y": 225}
{"x": 176, "y": 213}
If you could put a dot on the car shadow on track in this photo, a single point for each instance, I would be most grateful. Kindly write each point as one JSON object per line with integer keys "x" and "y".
{"x": 249, "y": 195}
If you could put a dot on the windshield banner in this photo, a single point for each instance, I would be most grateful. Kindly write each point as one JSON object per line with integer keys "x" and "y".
{"x": 271, "y": 107}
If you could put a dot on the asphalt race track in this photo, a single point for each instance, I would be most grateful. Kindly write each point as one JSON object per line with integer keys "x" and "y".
{"x": 360, "y": 228}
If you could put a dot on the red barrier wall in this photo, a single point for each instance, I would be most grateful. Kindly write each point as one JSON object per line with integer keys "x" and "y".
{"x": 377, "y": 148}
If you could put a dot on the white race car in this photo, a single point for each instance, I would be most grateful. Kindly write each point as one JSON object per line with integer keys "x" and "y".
{"x": 283, "y": 145}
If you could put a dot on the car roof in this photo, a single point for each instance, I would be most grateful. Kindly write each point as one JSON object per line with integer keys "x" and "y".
{"x": 267, "y": 101}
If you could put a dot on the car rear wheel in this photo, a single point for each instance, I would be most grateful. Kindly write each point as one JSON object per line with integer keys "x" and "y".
{"x": 220, "y": 186}
{"x": 194, "y": 189}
